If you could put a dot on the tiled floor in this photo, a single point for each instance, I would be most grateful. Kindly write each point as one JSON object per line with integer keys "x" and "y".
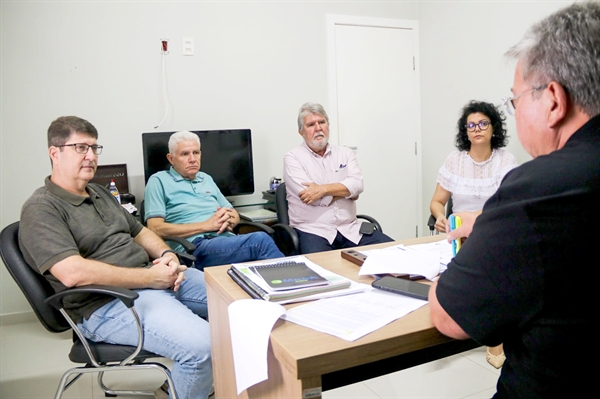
{"x": 33, "y": 360}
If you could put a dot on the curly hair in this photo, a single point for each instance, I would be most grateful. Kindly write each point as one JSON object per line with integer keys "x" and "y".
{"x": 497, "y": 118}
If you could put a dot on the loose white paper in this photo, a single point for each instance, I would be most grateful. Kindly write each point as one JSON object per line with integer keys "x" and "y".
{"x": 401, "y": 260}
{"x": 353, "y": 316}
{"x": 250, "y": 324}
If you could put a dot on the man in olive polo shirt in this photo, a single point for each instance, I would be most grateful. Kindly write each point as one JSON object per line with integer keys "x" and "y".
{"x": 75, "y": 234}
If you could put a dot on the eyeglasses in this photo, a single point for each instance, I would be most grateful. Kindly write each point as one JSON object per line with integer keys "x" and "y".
{"x": 509, "y": 102}
{"x": 81, "y": 148}
{"x": 483, "y": 125}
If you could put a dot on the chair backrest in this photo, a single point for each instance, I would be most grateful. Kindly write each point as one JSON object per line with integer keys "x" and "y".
{"x": 143, "y": 213}
{"x": 449, "y": 207}
{"x": 281, "y": 204}
{"x": 33, "y": 285}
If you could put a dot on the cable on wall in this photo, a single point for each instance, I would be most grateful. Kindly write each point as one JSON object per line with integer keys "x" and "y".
{"x": 164, "y": 50}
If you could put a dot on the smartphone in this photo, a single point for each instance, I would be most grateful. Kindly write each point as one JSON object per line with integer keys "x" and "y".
{"x": 402, "y": 286}
{"x": 367, "y": 228}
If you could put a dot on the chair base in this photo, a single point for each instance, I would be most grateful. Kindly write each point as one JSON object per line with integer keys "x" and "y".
{"x": 79, "y": 371}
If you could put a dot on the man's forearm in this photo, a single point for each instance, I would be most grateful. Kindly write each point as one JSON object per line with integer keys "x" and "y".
{"x": 164, "y": 229}
{"x": 76, "y": 271}
{"x": 151, "y": 242}
{"x": 336, "y": 190}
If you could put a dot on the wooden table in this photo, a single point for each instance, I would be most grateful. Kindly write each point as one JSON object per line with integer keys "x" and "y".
{"x": 304, "y": 362}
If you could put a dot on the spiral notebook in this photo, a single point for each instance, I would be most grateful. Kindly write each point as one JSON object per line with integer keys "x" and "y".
{"x": 256, "y": 286}
{"x": 289, "y": 275}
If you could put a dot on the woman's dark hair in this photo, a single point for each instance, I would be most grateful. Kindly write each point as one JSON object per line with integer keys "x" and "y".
{"x": 497, "y": 118}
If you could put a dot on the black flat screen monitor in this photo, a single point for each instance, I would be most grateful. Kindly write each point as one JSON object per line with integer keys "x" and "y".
{"x": 226, "y": 157}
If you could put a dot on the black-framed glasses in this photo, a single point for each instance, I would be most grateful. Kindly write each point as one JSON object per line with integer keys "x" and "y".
{"x": 509, "y": 102}
{"x": 483, "y": 125}
{"x": 82, "y": 148}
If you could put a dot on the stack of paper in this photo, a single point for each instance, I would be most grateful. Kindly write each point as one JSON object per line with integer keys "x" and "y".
{"x": 255, "y": 285}
{"x": 427, "y": 260}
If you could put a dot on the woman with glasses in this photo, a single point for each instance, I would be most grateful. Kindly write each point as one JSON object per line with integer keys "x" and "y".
{"x": 471, "y": 174}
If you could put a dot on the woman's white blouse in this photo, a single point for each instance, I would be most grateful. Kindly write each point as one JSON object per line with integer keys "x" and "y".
{"x": 472, "y": 183}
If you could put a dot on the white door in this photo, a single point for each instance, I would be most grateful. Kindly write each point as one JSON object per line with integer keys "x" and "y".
{"x": 375, "y": 100}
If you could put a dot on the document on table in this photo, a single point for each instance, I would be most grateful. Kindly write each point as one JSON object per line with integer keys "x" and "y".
{"x": 348, "y": 317}
{"x": 250, "y": 325}
{"x": 441, "y": 248}
{"x": 427, "y": 260}
{"x": 353, "y": 316}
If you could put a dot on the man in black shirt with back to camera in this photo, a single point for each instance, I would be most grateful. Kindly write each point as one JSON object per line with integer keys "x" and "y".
{"x": 525, "y": 275}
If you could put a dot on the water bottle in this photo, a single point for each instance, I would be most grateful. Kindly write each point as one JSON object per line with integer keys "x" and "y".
{"x": 114, "y": 191}
{"x": 274, "y": 183}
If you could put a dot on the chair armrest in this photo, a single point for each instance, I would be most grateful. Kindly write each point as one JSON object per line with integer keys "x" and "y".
{"x": 286, "y": 239}
{"x": 253, "y": 225}
{"x": 187, "y": 246}
{"x": 186, "y": 257}
{"x": 371, "y": 220}
{"x": 431, "y": 222}
{"x": 126, "y": 296}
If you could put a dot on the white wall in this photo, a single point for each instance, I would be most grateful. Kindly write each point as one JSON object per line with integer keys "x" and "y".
{"x": 255, "y": 63}
{"x": 462, "y": 59}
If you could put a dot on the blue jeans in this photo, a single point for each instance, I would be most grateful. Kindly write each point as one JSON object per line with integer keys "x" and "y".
{"x": 310, "y": 243}
{"x": 173, "y": 327}
{"x": 234, "y": 249}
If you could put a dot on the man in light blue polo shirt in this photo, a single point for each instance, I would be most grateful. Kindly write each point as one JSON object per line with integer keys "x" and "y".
{"x": 185, "y": 202}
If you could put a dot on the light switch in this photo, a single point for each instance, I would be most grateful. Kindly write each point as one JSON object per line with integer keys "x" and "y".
{"x": 188, "y": 46}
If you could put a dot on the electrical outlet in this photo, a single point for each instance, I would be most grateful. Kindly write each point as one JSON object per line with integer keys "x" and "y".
{"x": 187, "y": 46}
{"x": 164, "y": 46}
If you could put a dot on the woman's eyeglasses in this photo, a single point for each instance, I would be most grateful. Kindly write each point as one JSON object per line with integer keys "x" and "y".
{"x": 483, "y": 125}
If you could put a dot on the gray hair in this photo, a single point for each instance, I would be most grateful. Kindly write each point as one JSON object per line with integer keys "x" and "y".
{"x": 179, "y": 137}
{"x": 565, "y": 47}
{"x": 310, "y": 108}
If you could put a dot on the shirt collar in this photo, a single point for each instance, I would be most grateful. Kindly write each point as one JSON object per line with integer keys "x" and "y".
{"x": 63, "y": 194}
{"x": 177, "y": 177}
{"x": 589, "y": 131}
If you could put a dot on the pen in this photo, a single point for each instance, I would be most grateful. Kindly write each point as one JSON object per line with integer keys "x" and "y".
{"x": 452, "y": 222}
{"x": 455, "y": 223}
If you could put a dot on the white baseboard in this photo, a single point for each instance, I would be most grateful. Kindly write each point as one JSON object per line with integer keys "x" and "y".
{"x": 16, "y": 318}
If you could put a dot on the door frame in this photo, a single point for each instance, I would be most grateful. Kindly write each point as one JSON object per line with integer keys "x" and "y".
{"x": 331, "y": 21}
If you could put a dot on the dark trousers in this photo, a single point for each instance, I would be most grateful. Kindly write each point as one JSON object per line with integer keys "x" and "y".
{"x": 310, "y": 243}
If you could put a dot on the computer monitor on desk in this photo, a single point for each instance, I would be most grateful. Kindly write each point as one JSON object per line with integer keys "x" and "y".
{"x": 226, "y": 157}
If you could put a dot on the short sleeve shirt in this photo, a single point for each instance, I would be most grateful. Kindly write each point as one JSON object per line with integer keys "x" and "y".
{"x": 179, "y": 200}
{"x": 56, "y": 224}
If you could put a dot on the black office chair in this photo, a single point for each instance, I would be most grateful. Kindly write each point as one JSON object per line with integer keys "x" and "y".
{"x": 97, "y": 357}
{"x": 284, "y": 235}
{"x": 431, "y": 221}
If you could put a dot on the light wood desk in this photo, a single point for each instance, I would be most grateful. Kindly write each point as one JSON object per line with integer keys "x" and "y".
{"x": 303, "y": 362}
